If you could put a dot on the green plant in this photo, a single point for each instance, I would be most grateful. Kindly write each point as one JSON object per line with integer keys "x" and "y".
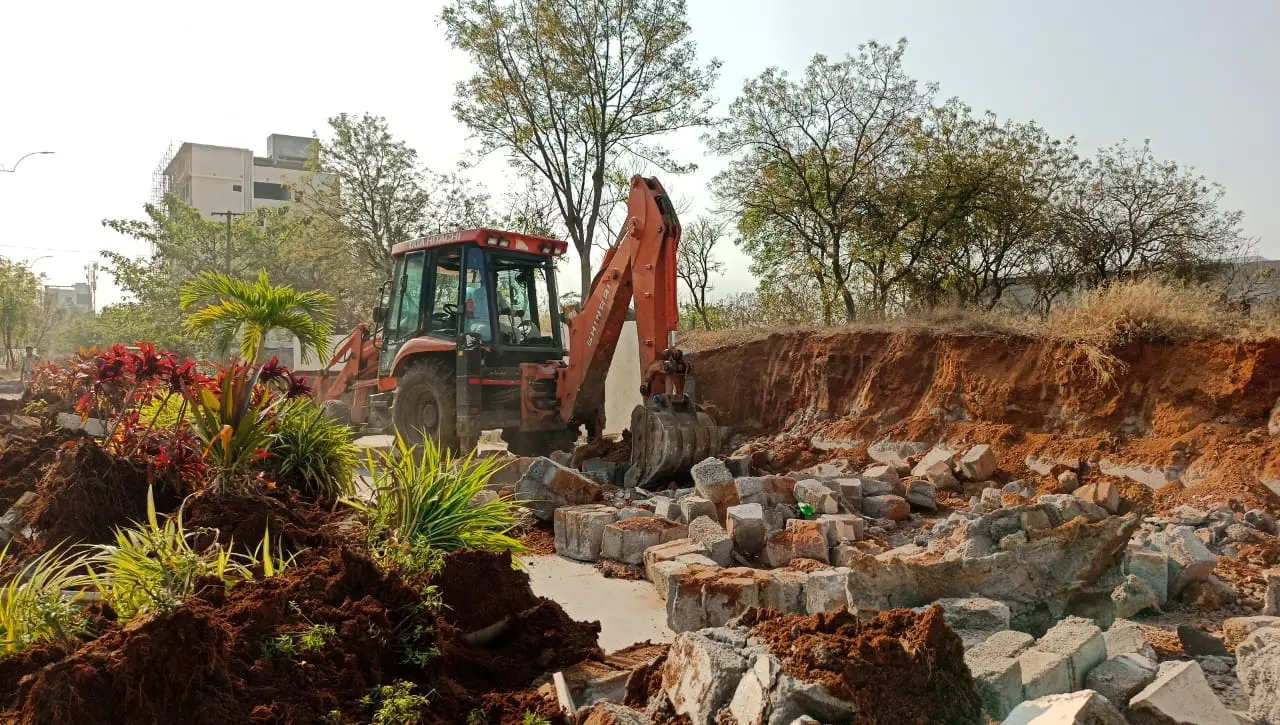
{"x": 154, "y": 568}
{"x": 312, "y": 451}
{"x": 396, "y": 704}
{"x": 476, "y": 717}
{"x": 533, "y": 719}
{"x": 234, "y": 425}
{"x": 38, "y": 604}
{"x": 230, "y": 307}
{"x": 423, "y": 501}
{"x": 164, "y": 412}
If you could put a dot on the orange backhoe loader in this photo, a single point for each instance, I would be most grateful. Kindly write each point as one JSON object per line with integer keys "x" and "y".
{"x": 468, "y": 337}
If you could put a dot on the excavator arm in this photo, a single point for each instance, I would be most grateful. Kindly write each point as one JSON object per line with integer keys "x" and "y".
{"x": 669, "y": 432}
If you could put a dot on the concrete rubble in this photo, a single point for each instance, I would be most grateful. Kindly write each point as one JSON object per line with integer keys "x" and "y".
{"x": 1078, "y": 708}
{"x": 1179, "y": 694}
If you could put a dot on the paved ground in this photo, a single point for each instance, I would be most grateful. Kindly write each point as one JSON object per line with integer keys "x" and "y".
{"x": 628, "y": 611}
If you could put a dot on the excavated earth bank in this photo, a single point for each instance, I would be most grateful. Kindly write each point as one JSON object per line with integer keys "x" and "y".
{"x": 1191, "y": 413}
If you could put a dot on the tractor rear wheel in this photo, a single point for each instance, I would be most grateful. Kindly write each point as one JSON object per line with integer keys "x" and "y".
{"x": 425, "y": 405}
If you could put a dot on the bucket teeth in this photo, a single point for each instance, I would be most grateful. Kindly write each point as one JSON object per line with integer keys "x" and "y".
{"x": 666, "y": 442}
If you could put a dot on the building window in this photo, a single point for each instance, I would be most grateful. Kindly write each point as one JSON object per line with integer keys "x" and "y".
{"x": 268, "y": 190}
{"x": 237, "y": 187}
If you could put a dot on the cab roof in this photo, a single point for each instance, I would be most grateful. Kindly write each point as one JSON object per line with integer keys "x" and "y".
{"x": 514, "y": 241}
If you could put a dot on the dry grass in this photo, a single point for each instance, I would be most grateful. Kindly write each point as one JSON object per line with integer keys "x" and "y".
{"x": 1095, "y": 324}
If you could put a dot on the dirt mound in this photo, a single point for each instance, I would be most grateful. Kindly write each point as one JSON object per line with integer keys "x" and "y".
{"x": 482, "y": 589}
{"x": 901, "y": 667}
{"x": 86, "y": 494}
{"x": 1194, "y": 411}
{"x": 251, "y": 654}
{"x": 243, "y": 519}
{"x": 25, "y": 458}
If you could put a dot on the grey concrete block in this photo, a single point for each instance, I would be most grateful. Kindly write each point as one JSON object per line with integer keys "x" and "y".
{"x": 1151, "y": 567}
{"x": 1078, "y": 639}
{"x": 978, "y": 463}
{"x": 1044, "y": 673}
{"x": 691, "y": 507}
{"x": 747, "y": 527}
{"x": 817, "y": 495}
{"x": 840, "y": 528}
{"x": 824, "y": 591}
{"x": 784, "y": 590}
{"x": 700, "y": 676}
{"x": 627, "y": 541}
{"x": 1077, "y": 708}
{"x": 579, "y": 530}
{"x": 1120, "y": 678}
{"x": 751, "y": 490}
{"x": 1007, "y": 643}
{"x": 1179, "y": 694}
{"x": 711, "y": 534}
{"x": 999, "y": 681}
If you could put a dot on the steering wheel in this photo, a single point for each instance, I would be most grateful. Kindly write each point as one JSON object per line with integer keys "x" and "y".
{"x": 525, "y": 328}
{"x": 449, "y": 309}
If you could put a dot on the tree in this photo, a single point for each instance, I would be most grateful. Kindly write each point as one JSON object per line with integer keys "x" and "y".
{"x": 375, "y": 195}
{"x": 1130, "y": 212}
{"x": 573, "y": 89}
{"x": 696, "y": 262}
{"x": 20, "y": 293}
{"x": 810, "y": 156}
{"x": 221, "y": 308}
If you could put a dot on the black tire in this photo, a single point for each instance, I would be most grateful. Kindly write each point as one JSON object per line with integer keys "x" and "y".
{"x": 336, "y": 410}
{"x": 426, "y": 402}
{"x": 539, "y": 443}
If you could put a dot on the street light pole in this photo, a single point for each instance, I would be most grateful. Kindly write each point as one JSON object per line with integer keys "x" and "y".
{"x": 15, "y": 164}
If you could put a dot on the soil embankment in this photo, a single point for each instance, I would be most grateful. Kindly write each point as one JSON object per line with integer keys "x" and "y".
{"x": 1194, "y": 413}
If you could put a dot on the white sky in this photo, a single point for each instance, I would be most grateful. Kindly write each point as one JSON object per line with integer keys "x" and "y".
{"x": 108, "y": 87}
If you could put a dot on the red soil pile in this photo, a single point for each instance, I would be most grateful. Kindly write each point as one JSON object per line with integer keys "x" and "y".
{"x": 482, "y": 589}
{"x": 208, "y": 662}
{"x": 25, "y": 457}
{"x": 1199, "y": 406}
{"x": 86, "y": 494}
{"x": 241, "y": 520}
{"x": 901, "y": 668}
{"x": 537, "y": 539}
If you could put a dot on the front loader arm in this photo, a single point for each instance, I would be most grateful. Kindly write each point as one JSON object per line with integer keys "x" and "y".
{"x": 642, "y": 267}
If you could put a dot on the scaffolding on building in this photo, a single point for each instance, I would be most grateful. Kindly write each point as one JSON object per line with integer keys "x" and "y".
{"x": 161, "y": 183}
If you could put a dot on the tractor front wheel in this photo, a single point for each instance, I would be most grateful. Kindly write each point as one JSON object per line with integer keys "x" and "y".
{"x": 425, "y": 405}
{"x": 540, "y": 442}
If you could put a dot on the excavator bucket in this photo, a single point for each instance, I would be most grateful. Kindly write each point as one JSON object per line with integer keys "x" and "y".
{"x": 667, "y": 441}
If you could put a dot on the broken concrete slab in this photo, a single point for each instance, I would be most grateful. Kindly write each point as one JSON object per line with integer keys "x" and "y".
{"x": 895, "y": 453}
{"x": 547, "y": 486}
{"x": 1198, "y": 643}
{"x": 842, "y": 528}
{"x": 850, "y": 492}
{"x": 882, "y": 473}
{"x": 747, "y": 527}
{"x": 1102, "y": 493}
{"x": 700, "y": 676}
{"x": 712, "y": 535}
{"x": 634, "y": 512}
{"x": 730, "y": 593}
{"x": 975, "y": 614}
{"x": 824, "y": 591}
{"x": 1069, "y": 507}
{"x": 665, "y": 508}
{"x": 938, "y": 454}
{"x": 768, "y": 696}
{"x": 1077, "y": 708}
{"x": 1179, "y": 694}
{"x": 627, "y": 541}
{"x": 579, "y": 530}
{"x": 611, "y": 713}
{"x": 1152, "y": 567}
{"x": 920, "y": 494}
{"x": 978, "y": 463}
{"x": 1258, "y": 667}
{"x": 887, "y": 506}
{"x": 1044, "y": 673}
{"x": 1236, "y": 629}
{"x": 1189, "y": 559}
{"x": 1081, "y": 641}
{"x": 942, "y": 476}
{"x": 1153, "y": 477}
{"x": 817, "y": 495}
{"x": 1120, "y": 678}
{"x": 1125, "y": 637}
{"x": 1132, "y": 596}
{"x": 661, "y": 571}
{"x": 14, "y": 520}
{"x": 800, "y": 540}
{"x": 692, "y": 507}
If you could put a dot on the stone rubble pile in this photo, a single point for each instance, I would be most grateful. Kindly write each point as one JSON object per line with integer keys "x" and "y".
{"x": 831, "y": 537}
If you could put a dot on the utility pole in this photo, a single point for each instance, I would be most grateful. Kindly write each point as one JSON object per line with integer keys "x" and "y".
{"x": 229, "y": 215}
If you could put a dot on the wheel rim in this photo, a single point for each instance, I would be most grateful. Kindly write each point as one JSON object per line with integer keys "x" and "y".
{"x": 423, "y": 414}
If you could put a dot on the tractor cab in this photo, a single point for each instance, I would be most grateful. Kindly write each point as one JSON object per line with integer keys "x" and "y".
{"x": 482, "y": 288}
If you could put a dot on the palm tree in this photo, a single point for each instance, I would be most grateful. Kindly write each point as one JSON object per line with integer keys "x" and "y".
{"x": 226, "y": 307}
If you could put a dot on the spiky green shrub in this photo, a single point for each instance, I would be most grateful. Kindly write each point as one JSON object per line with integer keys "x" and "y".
{"x": 155, "y": 567}
{"x": 39, "y": 603}
{"x": 423, "y": 501}
{"x": 313, "y": 452}
{"x": 395, "y": 704}
{"x": 163, "y": 412}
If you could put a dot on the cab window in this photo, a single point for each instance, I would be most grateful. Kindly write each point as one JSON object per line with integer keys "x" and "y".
{"x": 405, "y": 317}
{"x": 444, "y": 294}
{"x": 524, "y": 301}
